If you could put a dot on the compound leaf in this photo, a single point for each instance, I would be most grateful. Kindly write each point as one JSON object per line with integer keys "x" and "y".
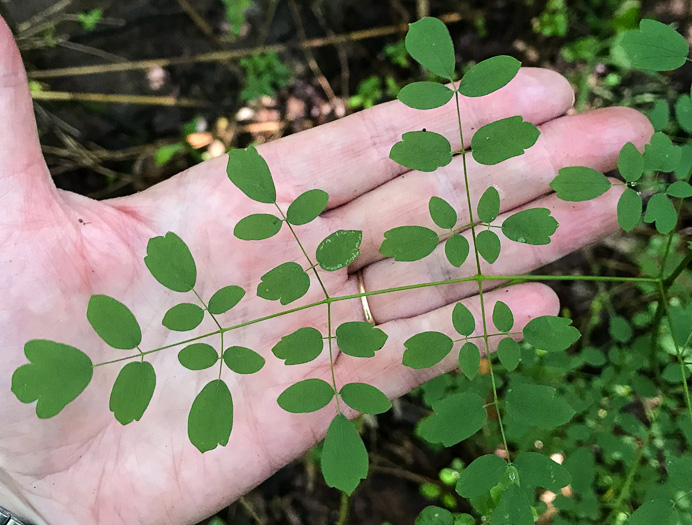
{"x": 509, "y": 353}
{"x": 114, "y": 322}
{"x": 630, "y": 163}
{"x": 480, "y": 476}
{"x": 344, "y": 457}
{"x": 629, "y": 209}
{"x": 513, "y": 508}
{"x": 250, "y": 173}
{"x": 55, "y": 375}
{"x": 422, "y": 150}
{"x": 660, "y": 154}
{"x": 655, "y": 46}
{"x": 463, "y": 320}
{"x": 660, "y": 210}
{"x": 455, "y": 418}
{"x": 170, "y": 262}
{"x": 308, "y": 395}
{"x": 286, "y": 283}
{"x": 307, "y": 207}
{"x": 183, "y": 317}
{"x": 488, "y": 244}
{"x": 365, "y": 398}
{"x": 225, "y": 299}
{"x": 470, "y": 360}
{"x": 457, "y": 250}
{"x": 257, "y": 226}
{"x": 429, "y": 43}
{"x": 489, "y": 205}
{"x": 683, "y": 112}
{"x": 538, "y": 405}
{"x": 198, "y": 356}
{"x": 426, "y": 349}
{"x": 488, "y": 76}
{"x": 210, "y": 420}
{"x": 359, "y": 338}
{"x": 502, "y": 140}
{"x": 425, "y": 95}
{"x": 243, "y": 360}
{"x": 533, "y": 226}
{"x": 579, "y": 183}
{"x": 301, "y": 346}
{"x": 551, "y": 333}
{"x": 442, "y": 213}
{"x": 339, "y": 249}
{"x": 539, "y": 470}
{"x": 502, "y": 317}
{"x": 132, "y": 391}
{"x": 408, "y": 243}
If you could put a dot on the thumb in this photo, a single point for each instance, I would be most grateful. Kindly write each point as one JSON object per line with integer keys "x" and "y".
{"x": 24, "y": 176}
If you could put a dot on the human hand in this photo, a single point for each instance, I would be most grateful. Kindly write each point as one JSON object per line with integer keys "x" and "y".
{"x": 57, "y": 249}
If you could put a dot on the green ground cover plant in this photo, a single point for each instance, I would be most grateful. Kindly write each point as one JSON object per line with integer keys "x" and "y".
{"x": 619, "y": 466}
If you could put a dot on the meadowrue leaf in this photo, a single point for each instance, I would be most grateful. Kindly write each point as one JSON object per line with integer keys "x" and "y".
{"x": 660, "y": 154}
{"x": 198, "y": 356}
{"x": 365, "y": 398}
{"x": 132, "y": 391}
{"x": 480, "y": 476}
{"x": 170, "y": 262}
{"x": 250, "y": 173}
{"x": 55, "y": 375}
{"x": 538, "y": 470}
{"x": 488, "y": 76}
{"x": 225, "y": 299}
{"x": 509, "y": 353}
{"x": 442, "y": 213}
{"x": 422, "y": 150}
{"x": 489, "y": 205}
{"x": 301, "y": 346}
{"x": 551, "y": 333}
{"x": 432, "y": 515}
{"x": 579, "y": 183}
{"x": 470, "y": 360}
{"x": 683, "y": 112}
{"x": 629, "y": 209}
{"x": 655, "y": 46}
{"x": 502, "y": 140}
{"x": 455, "y": 418}
{"x": 502, "y": 317}
{"x": 308, "y": 395}
{"x": 513, "y": 508}
{"x": 114, "y": 322}
{"x": 680, "y": 472}
{"x": 630, "y": 163}
{"x": 285, "y": 283}
{"x": 457, "y": 250}
{"x": 534, "y": 226}
{"x": 538, "y": 406}
{"x": 339, "y": 249}
{"x": 344, "y": 457}
{"x": 307, "y": 207}
{"x": 620, "y": 329}
{"x": 463, "y": 320}
{"x": 359, "y": 339}
{"x": 425, "y": 95}
{"x": 257, "y": 226}
{"x": 659, "y": 115}
{"x": 426, "y": 349}
{"x": 660, "y": 210}
{"x": 210, "y": 420}
{"x": 243, "y": 360}
{"x": 488, "y": 244}
{"x": 408, "y": 243}
{"x": 680, "y": 189}
{"x": 658, "y": 511}
{"x": 429, "y": 43}
{"x": 684, "y": 167}
{"x": 183, "y": 317}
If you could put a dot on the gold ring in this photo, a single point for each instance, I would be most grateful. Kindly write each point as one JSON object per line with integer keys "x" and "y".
{"x": 364, "y": 299}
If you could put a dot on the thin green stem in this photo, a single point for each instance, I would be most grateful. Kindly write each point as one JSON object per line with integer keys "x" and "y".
{"x": 331, "y": 354}
{"x": 216, "y": 321}
{"x": 625, "y": 491}
{"x": 668, "y": 281}
{"x": 343, "y": 509}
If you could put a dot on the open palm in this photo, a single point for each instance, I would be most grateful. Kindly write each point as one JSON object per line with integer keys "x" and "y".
{"x": 57, "y": 249}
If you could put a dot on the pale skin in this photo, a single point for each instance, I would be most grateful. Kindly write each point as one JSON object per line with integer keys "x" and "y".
{"x": 58, "y": 248}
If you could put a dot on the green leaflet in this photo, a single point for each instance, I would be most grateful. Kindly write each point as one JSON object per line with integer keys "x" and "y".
{"x": 132, "y": 391}
{"x": 620, "y": 329}
{"x": 660, "y": 154}
{"x": 684, "y": 168}
{"x": 170, "y": 262}
{"x": 183, "y": 317}
{"x": 551, "y": 333}
{"x": 579, "y": 183}
{"x": 408, "y": 243}
{"x": 442, "y": 213}
{"x": 339, "y": 249}
{"x": 581, "y": 465}
{"x": 308, "y": 395}
{"x": 55, "y": 375}
{"x": 680, "y": 189}
{"x": 488, "y": 76}
{"x": 683, "y": 112}
{"x": 659, "y": 115}
{"x": 539, "y": 470}
{"x": 630, "y": 163}
{"x": 307, "y": 207}
{"x": 250, "y": 174}
{"x": 680, "y": 472}
{"x": 359, "y": 339}
{"x": 513, "y": 508}
{"x": 660, "y": 210}
{"x": 198, "y": 356}
{"x": 365, "y": 398}
{"x": 509, "y": 353}
{"x": 224, "y": 299}
{"x": 538, "y": 406}
{"x": 257, "y": 227}
{"x": 502, "y": 140}
{"x": 422, "y": 150}
{"x": 114, "y": 322}
{"x": 210, "y": 420}
{"x": 457, "y": 250}
{"x": 463, "y": 320}
{"x": 344, "y": 457}
{"x": 429, "y": 43}
{"x": 489, "y": 205}
{"x": 426, "y": 349}
{"x": 301, "y": 346}
{"x": 432, "y": 515}
{"x": 488, "y": 244}
{"x": 446, "y": 427}
{"x": 658, "y": 511}
{"x": 243, "y": 360}
{"x": 470, "y": 360}
{"x": 285, "y": 283}
{"x": 502, "y": 317}
{"x": 533, "y": 226}
{"x": 629, "y": 209}
{"x": 655, "y": 46}
{"x": 425, "y": 95}
{"x": 480, "y": 476}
